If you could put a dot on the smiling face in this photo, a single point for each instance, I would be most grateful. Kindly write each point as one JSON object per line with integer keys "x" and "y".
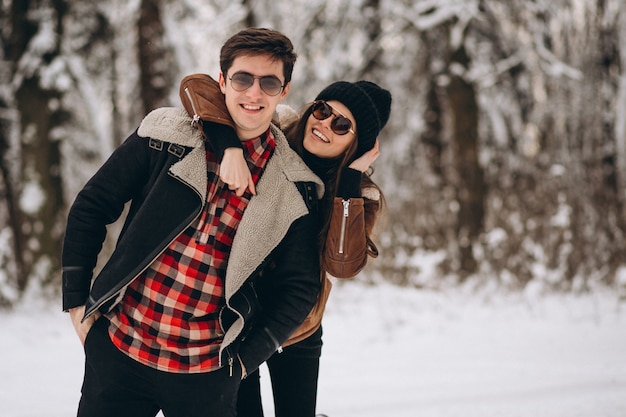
{"x": 321, "y": 141}
{"x": 252, "y": 109}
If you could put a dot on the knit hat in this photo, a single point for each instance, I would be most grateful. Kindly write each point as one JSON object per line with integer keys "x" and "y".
{"x": 369, "y": 104}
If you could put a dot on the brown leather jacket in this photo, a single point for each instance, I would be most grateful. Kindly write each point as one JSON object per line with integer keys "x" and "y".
{"x": 347, "y": 246}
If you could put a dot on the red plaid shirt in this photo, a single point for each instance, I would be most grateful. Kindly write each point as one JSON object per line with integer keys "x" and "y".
{"x": 168, "y": 318}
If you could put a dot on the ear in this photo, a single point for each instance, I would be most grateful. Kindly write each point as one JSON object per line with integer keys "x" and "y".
{"x": 285, "y": 91}
{"x": 222, "y": 82}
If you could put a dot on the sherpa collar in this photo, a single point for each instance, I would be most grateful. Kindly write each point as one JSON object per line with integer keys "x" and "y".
{"x": 173, "y": 125}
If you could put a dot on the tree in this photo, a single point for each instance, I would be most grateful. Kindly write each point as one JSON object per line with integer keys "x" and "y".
{"x": 503, "y": 161}
{"x": 31, "y": 177}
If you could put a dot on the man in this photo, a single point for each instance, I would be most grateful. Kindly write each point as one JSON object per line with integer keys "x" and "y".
{"x": 173, "y": 321}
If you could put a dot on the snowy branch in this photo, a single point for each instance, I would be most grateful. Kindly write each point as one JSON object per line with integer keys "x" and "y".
{"x": 429, "y": 14}
{"x": 552, "y": 65}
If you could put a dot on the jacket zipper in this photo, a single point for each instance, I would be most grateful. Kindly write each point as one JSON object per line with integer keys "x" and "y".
{"x": 344, "y": 222}
{"x": 115, "y": 293}
{"x": 195, "y": 118}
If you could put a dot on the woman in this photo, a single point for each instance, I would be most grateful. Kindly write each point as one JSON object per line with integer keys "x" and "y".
{"x": 336, "y": 136}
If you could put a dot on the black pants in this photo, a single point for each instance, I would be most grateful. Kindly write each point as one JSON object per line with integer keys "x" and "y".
{"x": 294, "y": 374}
{"x": 116, "y": 385}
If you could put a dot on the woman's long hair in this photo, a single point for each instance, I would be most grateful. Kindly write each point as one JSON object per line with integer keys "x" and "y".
{"x": 373, "y": 208}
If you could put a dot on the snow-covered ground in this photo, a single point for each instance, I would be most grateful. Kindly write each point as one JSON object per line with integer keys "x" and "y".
{"x": 392, "y": 352}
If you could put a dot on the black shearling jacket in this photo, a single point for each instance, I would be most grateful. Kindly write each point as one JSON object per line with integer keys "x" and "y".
{"x": 161, "y": 170}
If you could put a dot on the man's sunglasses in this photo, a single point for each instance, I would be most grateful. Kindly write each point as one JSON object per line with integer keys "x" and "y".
{"x": 341, "y": 125}
{"x": 270, "y": 85}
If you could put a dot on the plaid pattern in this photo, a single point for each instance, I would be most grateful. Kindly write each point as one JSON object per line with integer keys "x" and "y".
{"x": 168, "y": 318}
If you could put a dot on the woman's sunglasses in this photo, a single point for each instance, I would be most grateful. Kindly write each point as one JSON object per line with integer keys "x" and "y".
{"x": 340, "y": 125}
{"x": 270, "y": 85}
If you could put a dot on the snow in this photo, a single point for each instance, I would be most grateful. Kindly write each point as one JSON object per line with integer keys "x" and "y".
{"x": 392, "y": 351}
{"x": 32, "y": 198}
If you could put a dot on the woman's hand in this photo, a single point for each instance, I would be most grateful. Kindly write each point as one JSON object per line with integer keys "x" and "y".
{"x": 235, "y": 173}
{"x": 364, "y": 162}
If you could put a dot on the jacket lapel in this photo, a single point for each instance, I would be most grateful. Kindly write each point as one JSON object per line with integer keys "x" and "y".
{"x": 173, "y": 125}
{"x": 269, "y": 214}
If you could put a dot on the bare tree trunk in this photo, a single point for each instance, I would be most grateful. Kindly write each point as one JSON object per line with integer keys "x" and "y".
{"x": 154, "y": 57}
{"x": 8, "y": 194}
{"x": 12, "y": 45}
{"x": 40, "y": 155}
{"x": 465, "y": 142}
{"x": 251, "y": 20}
{"x": 41, "y": 201}
{"x": 620, "y": 116}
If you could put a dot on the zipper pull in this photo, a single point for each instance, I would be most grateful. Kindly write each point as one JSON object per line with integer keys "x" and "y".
{"x": 344, "y": 221}
{"x": 195, "y": 118}
{"x": 230, "y": 365}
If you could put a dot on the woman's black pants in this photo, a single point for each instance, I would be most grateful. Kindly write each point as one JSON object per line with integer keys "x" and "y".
{"x": 294, "y": 373}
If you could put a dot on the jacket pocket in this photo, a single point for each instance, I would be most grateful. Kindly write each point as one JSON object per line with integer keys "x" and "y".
{"x": 244, "y": 303}
{"x": 345, "y": 252}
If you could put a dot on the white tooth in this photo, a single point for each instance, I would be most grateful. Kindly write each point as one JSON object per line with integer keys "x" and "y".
{"x": 319, "y": 135}
{"x": 249, "y": 107}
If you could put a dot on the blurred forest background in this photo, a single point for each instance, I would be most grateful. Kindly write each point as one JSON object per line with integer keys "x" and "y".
{"x": 503, "y": 164}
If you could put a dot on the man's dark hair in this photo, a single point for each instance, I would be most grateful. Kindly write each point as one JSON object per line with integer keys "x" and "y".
{"x": 259, "y": 41}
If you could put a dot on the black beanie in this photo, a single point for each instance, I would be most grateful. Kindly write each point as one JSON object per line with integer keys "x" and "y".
{"x": 369, "y": 104}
